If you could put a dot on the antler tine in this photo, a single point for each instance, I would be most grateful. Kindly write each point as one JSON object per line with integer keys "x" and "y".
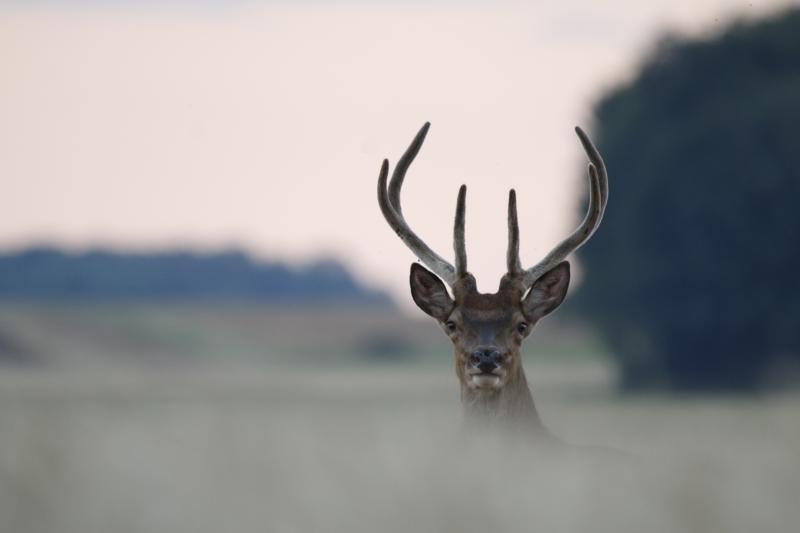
{"x": 596, "y": 164}
{"x": 399, "y": 173}
{"x": 389, "y": 201}
{"x": 512, "y": 255}
{"x": 598, "y": 197}
{"x": 458, "y": 233}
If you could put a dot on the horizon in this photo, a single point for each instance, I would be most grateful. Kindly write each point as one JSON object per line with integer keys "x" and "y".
{"x": 42, "y": 276}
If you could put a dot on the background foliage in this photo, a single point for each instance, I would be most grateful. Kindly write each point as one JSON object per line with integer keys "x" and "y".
{"x": 693, "y": 276}
{"x": 51, "y": 274}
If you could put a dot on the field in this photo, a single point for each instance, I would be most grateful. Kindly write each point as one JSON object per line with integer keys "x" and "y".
{"x": 367, "y": 446}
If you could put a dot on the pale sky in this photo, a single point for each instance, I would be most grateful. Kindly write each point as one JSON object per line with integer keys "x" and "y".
{"x": 262, "y": 125}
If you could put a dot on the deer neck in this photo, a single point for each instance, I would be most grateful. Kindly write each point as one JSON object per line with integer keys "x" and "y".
{"x": 513, "y": 403}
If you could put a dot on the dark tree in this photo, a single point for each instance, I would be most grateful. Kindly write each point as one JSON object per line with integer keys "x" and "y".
{"x": 694, "y": 275}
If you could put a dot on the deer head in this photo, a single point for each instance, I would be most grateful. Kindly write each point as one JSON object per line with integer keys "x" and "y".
{"x": 487, "y": 330}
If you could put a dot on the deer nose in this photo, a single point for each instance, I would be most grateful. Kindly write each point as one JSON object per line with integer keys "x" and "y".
{"x": 486, "y": 359}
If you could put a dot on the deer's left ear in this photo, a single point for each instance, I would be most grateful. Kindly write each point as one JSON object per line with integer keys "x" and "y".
{"x": 547, "y": 292}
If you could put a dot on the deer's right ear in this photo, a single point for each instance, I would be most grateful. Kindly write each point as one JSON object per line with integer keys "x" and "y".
{"x": 429, "y": 293}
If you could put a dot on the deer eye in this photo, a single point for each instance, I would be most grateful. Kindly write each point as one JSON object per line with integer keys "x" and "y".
{"x": 522, "y": 327}
{"x": 450, "y": 325}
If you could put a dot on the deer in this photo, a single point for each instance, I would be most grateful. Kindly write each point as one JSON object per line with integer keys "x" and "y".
{"x": 487, "y": 330}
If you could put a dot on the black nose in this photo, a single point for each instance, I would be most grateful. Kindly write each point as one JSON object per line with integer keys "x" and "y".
{"x": 487, "y": 366}
{"x": 486, "y": 359}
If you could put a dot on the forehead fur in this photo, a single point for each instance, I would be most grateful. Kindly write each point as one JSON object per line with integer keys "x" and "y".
{"x": 489, "y": 307}
{"x": 485, "y": 307}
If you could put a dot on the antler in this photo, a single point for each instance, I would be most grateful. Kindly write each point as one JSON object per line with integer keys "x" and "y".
{"x": 598, "y": 197}
{"x": 389, "y": 201}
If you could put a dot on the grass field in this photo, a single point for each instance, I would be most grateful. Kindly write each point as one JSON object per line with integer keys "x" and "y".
{"x": 137, "y": 336}
{"x": 192, "y": 419}
{"x": 381, "y": 450}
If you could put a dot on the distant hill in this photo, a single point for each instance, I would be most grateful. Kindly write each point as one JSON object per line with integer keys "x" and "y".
{"x": 100, "y": 275}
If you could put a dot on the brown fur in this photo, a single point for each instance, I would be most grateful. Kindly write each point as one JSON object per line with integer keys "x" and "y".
{"x": 474, "y": 320}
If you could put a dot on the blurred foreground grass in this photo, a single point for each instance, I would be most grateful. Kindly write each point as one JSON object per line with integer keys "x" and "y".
{"x": 381, "y": 450}
{"x": 193, "y": 419}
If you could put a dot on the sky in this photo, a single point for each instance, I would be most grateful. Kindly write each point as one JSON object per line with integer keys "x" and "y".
{"x": 262, "y": 125}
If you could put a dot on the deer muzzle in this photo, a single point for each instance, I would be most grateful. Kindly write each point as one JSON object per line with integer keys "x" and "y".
{"x": 485, "y": 368}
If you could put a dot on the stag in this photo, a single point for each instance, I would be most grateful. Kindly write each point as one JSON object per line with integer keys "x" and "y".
{"x": 487, "y": 330}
